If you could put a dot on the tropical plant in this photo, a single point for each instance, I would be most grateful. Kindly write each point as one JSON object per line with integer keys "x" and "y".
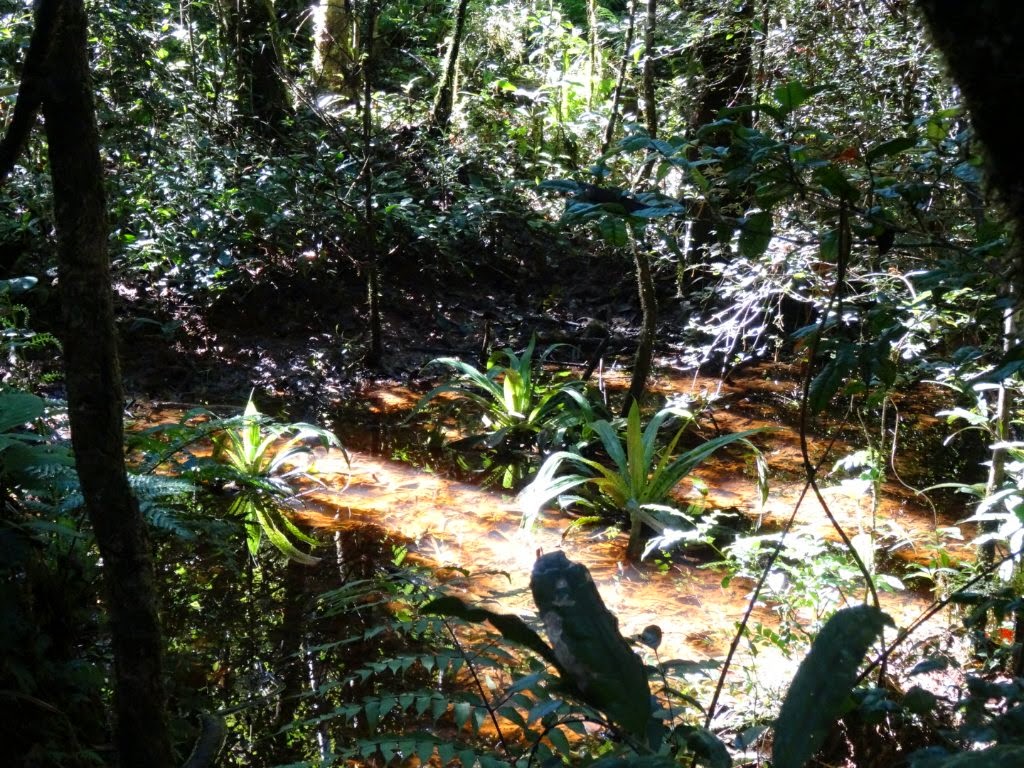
{"x": 255, "y": 458}
{"x": 598, "y": 678}
{"x": 810, "y": 578}
{"x": 641, "y": 480}
{"x": 517, "y": 401}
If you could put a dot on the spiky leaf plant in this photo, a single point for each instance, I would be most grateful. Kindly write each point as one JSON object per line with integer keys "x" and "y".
{"x": 640, "y": 481}
{"x": 517, "y": 401}
{"x": 255, "y": 458}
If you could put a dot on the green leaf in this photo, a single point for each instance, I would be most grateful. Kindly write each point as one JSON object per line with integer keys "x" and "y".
{"x": 891, "y": 147}
{"x": 829, "y": 246}
{"x": 755, "y": 234}
{"x": 460, "y": 713}
{"x": 835, "y": 182}
{"x": 560, "y": 742}
{"x": 613, "y": 231}
{"x": 820, "y": 691}
{"x": 371, "y": 711}
{"x": 791, "y": 95}
{"x": 510, "y": 626}
{"x": 709, "y": 748}
{"x": 18, "y": 408}
{"x": 827, "y": 383}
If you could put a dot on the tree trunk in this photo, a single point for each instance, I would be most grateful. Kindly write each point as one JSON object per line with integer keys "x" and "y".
{"x": 593, "y": 55}
{"x": 650, "y": 92}
{"x": 336, "y": 46}
{"x": 444, "y": 102}
{"x": 261, "y": 90}
{"x": 376, "y": 351}
{"x": 725, "y": 59}
{"x": 620, "y": 83}
{"x": 983, "y": 43}
{"x": 648, "y": 326}
{"x": 95, "y": 399}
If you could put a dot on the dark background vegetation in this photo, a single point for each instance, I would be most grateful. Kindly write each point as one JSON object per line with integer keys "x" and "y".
{"x": 207, "y": 198}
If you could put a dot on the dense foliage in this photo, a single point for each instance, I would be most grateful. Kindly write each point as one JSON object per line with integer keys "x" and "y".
{"x": 303, "y": 199}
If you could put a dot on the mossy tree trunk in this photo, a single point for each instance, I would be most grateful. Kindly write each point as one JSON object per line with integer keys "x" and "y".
{"x": 444, "y": 101}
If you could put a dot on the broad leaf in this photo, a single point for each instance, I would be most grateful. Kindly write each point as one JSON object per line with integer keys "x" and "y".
{"x": 595, "y": 660}
{"x": 756, "y": 234}
{"x": 821, "y": 689}
{"x": 17, "y": 408}
{"x": 891, "y": 147}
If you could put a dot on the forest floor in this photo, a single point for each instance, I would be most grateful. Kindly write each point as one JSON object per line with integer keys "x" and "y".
{"x": 297, "y": 343}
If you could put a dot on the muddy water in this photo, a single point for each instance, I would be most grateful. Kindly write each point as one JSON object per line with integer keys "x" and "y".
{"x": 472, "y": 536}
{"x": 463, "y": 529}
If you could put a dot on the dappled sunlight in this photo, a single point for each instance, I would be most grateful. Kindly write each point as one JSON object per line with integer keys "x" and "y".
{"x": 474, "y": 538}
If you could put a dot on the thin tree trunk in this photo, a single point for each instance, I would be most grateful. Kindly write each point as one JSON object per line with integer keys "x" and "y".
{"x": 444, "y": 102}
{"x": 648, "y": 327}
{"x": 594, "y": 54}
{"x": 620, "y": 83}
{"x": 649, "y": 89}
{"x": 376, "y": 351}
{"x": 95, "y": 399}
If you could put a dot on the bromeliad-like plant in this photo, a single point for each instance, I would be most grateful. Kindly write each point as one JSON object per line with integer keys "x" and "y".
{"x": 255, "y": 458}
{"x": 516, "y": 400}
{"x": 261, "y": 458}
{"x": 640, "y": 481}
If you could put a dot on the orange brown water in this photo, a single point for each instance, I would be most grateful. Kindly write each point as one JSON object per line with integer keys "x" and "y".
{"x": 462, "y": 528}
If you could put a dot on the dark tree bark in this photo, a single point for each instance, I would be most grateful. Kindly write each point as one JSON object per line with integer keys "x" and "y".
{"x": 444, "y": 102}
{"x": 95, "y": 399}
{"x": 983, "y": 43}
{"x": 725, "y": 59}
{"x": 252, "y": 31}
